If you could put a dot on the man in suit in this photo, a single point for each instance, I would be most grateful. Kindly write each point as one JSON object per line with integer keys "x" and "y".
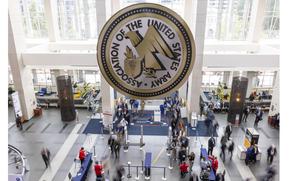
{"x": 271, "y": 152}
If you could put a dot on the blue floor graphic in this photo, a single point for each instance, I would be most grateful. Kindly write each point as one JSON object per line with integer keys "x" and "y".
{"x": 94, "y": 127}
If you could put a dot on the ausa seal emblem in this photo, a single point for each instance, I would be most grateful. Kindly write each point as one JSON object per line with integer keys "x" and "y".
{"x": 146, "y": 51}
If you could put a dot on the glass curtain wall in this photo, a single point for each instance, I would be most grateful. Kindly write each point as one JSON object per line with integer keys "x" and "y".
{"x": 175, "y": 5}
{"x": 211, "y": 79}
{"x": 271, "y": 25}
{"x": 77, "y": 19}
{"x": 33, "y": 19}
{"x": 265, "y": 79}
{"x": 228, "y": 19}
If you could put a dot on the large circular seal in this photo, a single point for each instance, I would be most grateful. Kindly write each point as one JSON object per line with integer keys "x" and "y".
{"x": 146, "y": 51}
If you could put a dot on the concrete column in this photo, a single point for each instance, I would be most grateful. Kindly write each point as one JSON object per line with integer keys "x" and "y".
{"x": 107, "y": 94}
{"x": 51, "y": 18}
{"x": 34, "y": 76}
{"x": 22, "y": 76}
{"x": 107, "y": 91}
{"x": 195, "y": 16}
{"x": 101, "y": 14}
{"x": 275, "y": 102}
{"x": 183, "y": 91}
{"x": 251, "y": 82}
{"x": 256, "y": 20}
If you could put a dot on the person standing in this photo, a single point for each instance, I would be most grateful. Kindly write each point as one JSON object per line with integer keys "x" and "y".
{"x": 131, "y": 103}
{"x": 183, "y": 169}
{"x": 98, "y": 171}
{"x": 231, "y": 148}
{"x": 215, "y": 165}
{"x": 211, "y": 145}
{"x": 191, "y": 158}
{"x": 246, "y": 113}
{"x": 18, "y": 122}
{"x": 82, "y": 155}
{"x": 182, "y": 155}
{"x": 45, "y": 153}
{"x": 229, "y": 130}
{"x": 271, "y": 152}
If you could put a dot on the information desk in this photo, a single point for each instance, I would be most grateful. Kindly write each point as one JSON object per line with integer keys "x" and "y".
{"x": 203, "y": 153}
{"x": 82, "y": 173}
{"x": 251, "y": 136}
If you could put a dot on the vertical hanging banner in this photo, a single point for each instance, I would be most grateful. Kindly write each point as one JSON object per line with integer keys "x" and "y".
{"x": 16, "y": 103}
{"x": 146, "y": 51}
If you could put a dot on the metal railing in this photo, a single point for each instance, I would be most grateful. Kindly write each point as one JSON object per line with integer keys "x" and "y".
{"x": 18, "y": 152}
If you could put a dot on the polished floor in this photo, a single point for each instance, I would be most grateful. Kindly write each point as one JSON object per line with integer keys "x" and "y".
{"x": 64, "y": 140}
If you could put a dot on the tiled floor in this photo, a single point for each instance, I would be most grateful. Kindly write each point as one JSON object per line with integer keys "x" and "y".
{"x": 51, "y": 132}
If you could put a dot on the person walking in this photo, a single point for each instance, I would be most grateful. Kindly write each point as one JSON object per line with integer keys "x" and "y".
{"x": 211, "y": 145}
{"x": 223, "y": 147}
{"x": 246, "y": 113}
{"x": 111, "y": 141}
{"x": 231, "y": 148}
{"x": 229, "y": 130}
{"x": 18, "y": 122}
{"x": 117, "y": 149}
{"x": 82, "y": 155}
{"x": 45, "y": 153}
{"x": 259, "y": 116}
{"x": 271, "y": 152}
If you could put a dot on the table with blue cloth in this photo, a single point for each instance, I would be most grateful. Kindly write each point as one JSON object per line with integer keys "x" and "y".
{"x": 82, "y": 173}
{"x": 203, "y": 153}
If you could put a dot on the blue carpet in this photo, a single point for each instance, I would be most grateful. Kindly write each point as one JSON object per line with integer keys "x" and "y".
{"x": 94, "y": 127}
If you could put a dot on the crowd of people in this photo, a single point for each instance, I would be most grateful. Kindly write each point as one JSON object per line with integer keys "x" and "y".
{"x": 179, "y": 144}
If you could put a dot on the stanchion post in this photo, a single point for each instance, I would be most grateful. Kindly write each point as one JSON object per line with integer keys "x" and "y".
{"x": 137, "y": 174}
{"x": 142, "y": 167}
{"x": 126, "y": 146}
{"x": 94, "y": 150}
{"x": 170, "y": 161}
{"x": 141, "y": 139}
{"x": 129, "y": 173}
{"x": 164, "y": 174}
{"x": 102, "y": 131}
{"x": 169, "y": 140}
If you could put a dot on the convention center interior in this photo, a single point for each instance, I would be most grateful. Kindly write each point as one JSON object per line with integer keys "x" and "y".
{"x": 117, "y": 90}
